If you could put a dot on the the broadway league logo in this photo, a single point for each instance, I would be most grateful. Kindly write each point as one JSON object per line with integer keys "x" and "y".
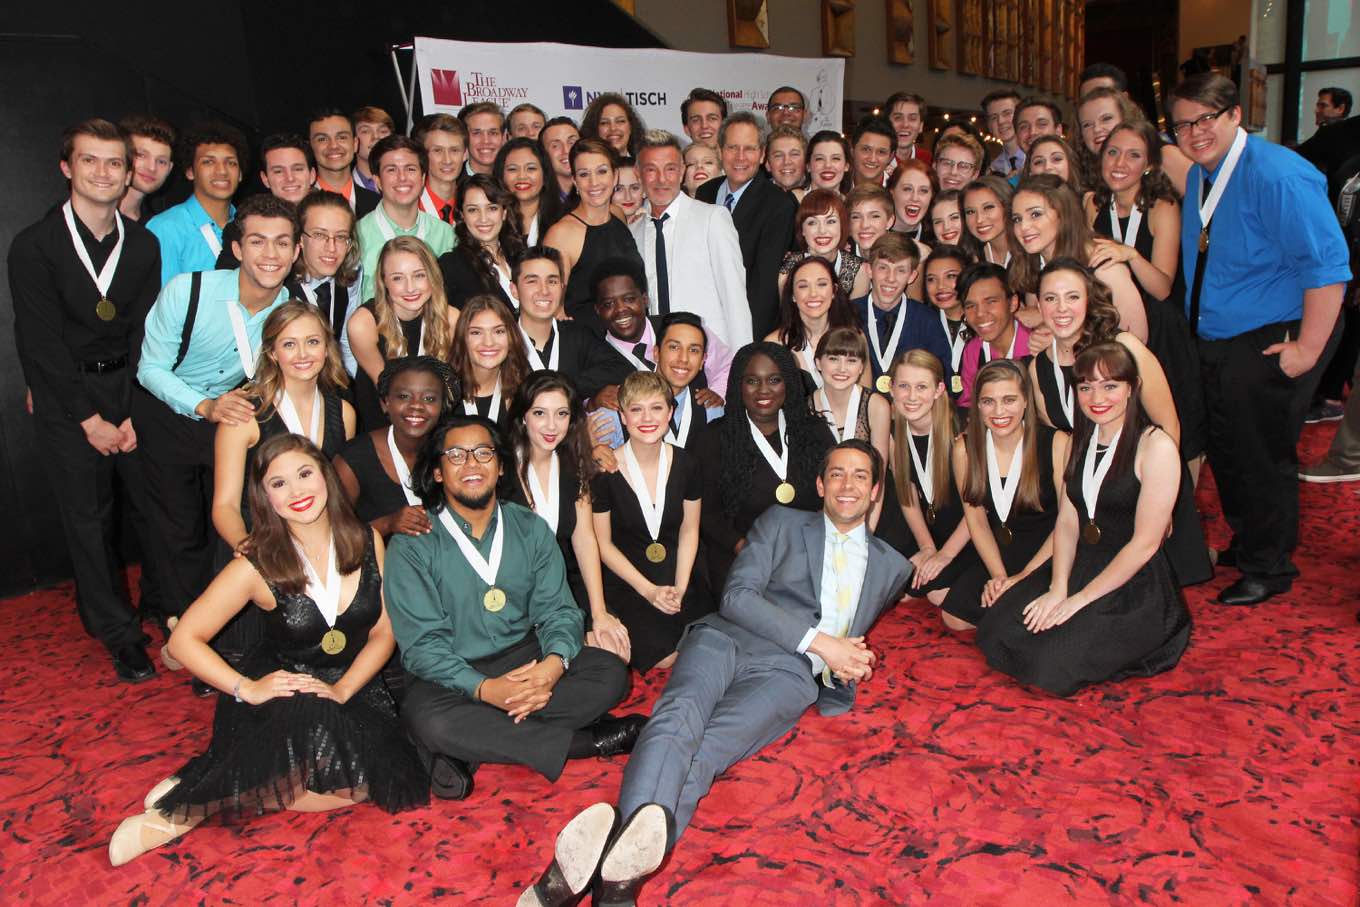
{"x": 573, "y": 98}
{"x": 448, "y": 91}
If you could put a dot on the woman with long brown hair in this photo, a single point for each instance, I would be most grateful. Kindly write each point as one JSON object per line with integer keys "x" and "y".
{"x": 409, "y": 315}
{"x": 986, "y": 218}
{"x": 304, "y": 724}
{"x": 488, "y": 357}
{"x": 810, "y": 304}
{"x": 489, "y": 240}
{"x": 1051, "y": 154}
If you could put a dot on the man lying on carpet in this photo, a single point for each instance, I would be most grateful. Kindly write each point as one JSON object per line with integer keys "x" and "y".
{"x": 798, "y": 601}
{"x": 498, "y": 669}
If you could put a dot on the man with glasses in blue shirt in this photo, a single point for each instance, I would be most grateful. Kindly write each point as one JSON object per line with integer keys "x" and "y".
{"x": 1266, "y": 266}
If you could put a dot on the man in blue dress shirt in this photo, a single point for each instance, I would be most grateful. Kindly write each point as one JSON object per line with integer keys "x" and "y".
{"x": 190, "y": 233}
{"x": 1266, "y": 266}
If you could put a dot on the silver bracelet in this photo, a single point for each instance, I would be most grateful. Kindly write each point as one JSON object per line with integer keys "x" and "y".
{"x": 236, "y": 690}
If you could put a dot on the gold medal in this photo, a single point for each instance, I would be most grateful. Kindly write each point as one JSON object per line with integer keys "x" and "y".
{"x": 930, "y": 515}
{"x": 1204, "y": 240}
{"x": 105, "y": 309}
{"x": 333, "y": 643}
{"x": 956, "y": 384}
{"x": 494, "y": 599}
{"x": 656, "y": 552}
{"x": 884, "y": 384}
{"x": 1090, "y": 533}
{"x": 1004, "y": 534}
{"x": 784, "y": 493}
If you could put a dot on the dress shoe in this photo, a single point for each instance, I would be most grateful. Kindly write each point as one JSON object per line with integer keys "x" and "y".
{"x": 576, "y": 857}
{"x": 1249, "y": 590}
{"x": 1226, "y": 558}
{"x": 132, "y": 665}
{"x": 636, "y": 852}
{"x": 616, "y": 736}
{"x": 450, "y": 778}
{"x": 160, "y": 790}
{"x": 136, "y": 835}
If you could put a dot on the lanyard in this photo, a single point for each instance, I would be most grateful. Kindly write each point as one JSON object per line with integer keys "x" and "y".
{"x": 1064, "y": 392}
{"x": 1130, "y": 236}
{"x": 427, "y": 203}
{"x": 289, "y": 414}
{"x": 389, "y": 229}
{"x": 1093, "y": 476}
{"x": 626, "y": 351}
{"x": 1010, "y": 353}
{"x": 104, "y": 278}
{"x": 327, "y": 594}
{"x": 485, "y": 568}
{"x": 243, "y": 348}
{"x": 494, "y": 412}
{"x": 651, "y": 504}
{"x": 987, "y": 250}
{"x": 535, "y": 358}
{"x": 1003, "y": 490}
{"x": 1208, "y": 206}
{"x": 955, "y": 346}
{"x": 805, "y": 358}
{"x": 546, "y": 503}
{"x": 399, "y": 466}
{"x": 883, "y": 357}
{"x": 846, "y": 429}
{"x": 210, "y": 236}
{"x": 680, "y": 437}
{"x": 780, "y": 462}
{"x": 924, "y": 473}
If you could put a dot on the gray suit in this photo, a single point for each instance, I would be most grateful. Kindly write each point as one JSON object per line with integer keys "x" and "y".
{"x": 740, "y": 682}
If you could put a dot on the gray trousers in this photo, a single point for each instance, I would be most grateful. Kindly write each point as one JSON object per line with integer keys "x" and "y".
{"x": 716, "y": 710}
{"x": 1345, "y": 449}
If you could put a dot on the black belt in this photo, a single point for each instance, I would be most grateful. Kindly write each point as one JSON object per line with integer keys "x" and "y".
{"x": 103, "y": 366}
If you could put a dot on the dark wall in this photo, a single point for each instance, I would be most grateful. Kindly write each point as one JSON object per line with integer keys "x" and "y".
{"x": 262, "y": 66}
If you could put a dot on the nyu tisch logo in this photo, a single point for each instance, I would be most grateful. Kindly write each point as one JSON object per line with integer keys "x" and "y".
{"x": 573, "y": 98}
{"x": 448, "y": 91}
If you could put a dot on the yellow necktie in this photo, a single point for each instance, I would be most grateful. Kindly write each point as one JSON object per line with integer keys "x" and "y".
{"x": 843, "y": 603}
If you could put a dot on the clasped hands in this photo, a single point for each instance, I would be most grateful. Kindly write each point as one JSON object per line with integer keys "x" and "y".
{"x": 1051, "y": 609}
{"x": 282, "y": 684}
{"x": 524, "y": 690}
{"x": 849, "y": 658}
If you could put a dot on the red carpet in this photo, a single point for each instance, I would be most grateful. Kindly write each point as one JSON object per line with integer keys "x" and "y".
{"x": 1231, "y": 780}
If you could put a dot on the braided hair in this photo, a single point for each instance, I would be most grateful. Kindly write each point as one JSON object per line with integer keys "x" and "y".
{"x": 428, "y": 364}
{"x": 808, "y": 437}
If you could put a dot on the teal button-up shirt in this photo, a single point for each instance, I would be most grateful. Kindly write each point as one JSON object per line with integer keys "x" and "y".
{"x": 435, "y": 598}
{"x": 369, "y": 231}
{"x": 180, "y": 232}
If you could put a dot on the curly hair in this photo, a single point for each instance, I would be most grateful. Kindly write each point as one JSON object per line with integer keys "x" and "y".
{"x": 1101, "y": 323}
{"x": 590, "y": 120}
{"x": 575, "y": 445}
{"x": 1155, "y": 184}
{"x": 510, "y": 238}
{"x": 268, "y": 382}
{"x": 792, "y": 333}
{"x": 808, "y": 436}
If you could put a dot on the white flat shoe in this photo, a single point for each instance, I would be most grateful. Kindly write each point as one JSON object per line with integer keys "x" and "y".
{"x": 137, "y": 834}
{"x": 160, "y": 790}
{"x": 166, "y": 658}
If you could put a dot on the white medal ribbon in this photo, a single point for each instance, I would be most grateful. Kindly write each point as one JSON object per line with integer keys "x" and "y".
{"x": 486, "y": 568}
{"x": 955, "y": 346}
{"x": 289, "y": 414}
{"x": 920, "y": 228}
{"x": 535, "y": 357}
{"x": 809, "y": 365}
{"x": 546, "y": 503}
{"x": 1092, "y": 476}
{"x": 532, "y": 238}
{"x": 778, "y": 462}
{"x": 1129, "y": 236}
{"x": 1064, "y": 392}
{"x": 243, "y": 347}
{"x": 987, "y": 250}
{"x": 427, "y": 203}
{"x": 213, "y": 240}
{"x": 846, "y": 429}
{"x": 626, "y": 351}
{"x": 651, "y": 504}
{"x": 327, "y": 594}
{"x": 104, "y": 278}
{"x": 924, "y": 473}
{"x": 1003, "y": 490}
{"x": 389, "y": 229}
{"x": 503, "y": 277}
{"x": 1209, "y": 205}
{"x": 681, "y": 438}
{"x": 885, "y": 359}
{"x": 493, "y": 412}
{"x": 399, "y": 466}
{"x": 1010, "y": 353}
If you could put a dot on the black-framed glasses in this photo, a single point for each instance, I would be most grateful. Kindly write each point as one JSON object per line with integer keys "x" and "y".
{"x": 341, "y": 240}
{"x": 482, "y": 453}
{"x": 1186, "y": 126}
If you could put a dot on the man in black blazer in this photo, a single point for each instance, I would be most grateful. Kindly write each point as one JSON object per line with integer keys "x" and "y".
{"x": 764, "y": 214}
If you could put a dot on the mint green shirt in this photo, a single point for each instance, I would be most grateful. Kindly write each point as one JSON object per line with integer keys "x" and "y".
{"x": 376, "y": 228}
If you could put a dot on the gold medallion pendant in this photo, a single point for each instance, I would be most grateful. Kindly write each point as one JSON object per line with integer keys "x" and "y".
{"x": 1004, "y": 534}
{"x": 1204, "y": 240}
{"x": 656, "y": 552}
{"x": 784, "y": 493}
{"x": 884, "y": 384}
{"x": 1090, "y": 533}
{"x": 333, "y": 643}
{"x": 494, "y": 599}
{"x": 105, "y": 309}
{"x": 956, "y": 384}
{"x": 930, "y": 515}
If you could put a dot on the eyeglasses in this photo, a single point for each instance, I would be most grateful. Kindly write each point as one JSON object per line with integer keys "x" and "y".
{"x": 945, "y": 163}
{"x": 786, "y": 108}
{"x": 1186, "y": 126}
{"x": 482, "y": 453}
{"x": 340, "y": 240}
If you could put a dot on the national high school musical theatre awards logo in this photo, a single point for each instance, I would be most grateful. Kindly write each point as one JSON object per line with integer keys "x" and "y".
{"x": 452, "y": 91}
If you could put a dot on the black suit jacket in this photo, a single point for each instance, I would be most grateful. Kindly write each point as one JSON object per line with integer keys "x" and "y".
{"x": 587, "y": 360}
{"x": 461, "y": 281}
{"x": 365, "y": 200}
{"x": 765, "y": 218}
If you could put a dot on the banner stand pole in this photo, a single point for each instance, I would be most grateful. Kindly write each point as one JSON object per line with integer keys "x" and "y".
{"x": 408, "y": 91}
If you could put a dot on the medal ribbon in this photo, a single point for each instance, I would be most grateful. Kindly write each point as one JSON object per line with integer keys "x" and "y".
{"x": 779, "y": 463}
{"x": 681, "y": 438}
{"x": 470, "y": 406}
{"x": 327, "y": 594}
{"x": 1128, "y": 236}
{"x": 1208, "y": 206}
{"x": 484, "y": 567}
{"x": 535, "y": 357}
{"x": 651, "y": 504}
{"x": 289, "y": 414}
{"x": 1093, "y": 476}
{"x": 924, "y": 473}
{"x": 1064, "y": 392}
{"x": 243, "y": 347}
{"x": 885, "y": 360}
{"x": 546, "y": 503}
{"x": 403, "y": 472}
{"x": 211, "y": 237}
{"x": 845, "y": 430}
{"x": 1003, "y": 490}
{"x": 955, "y": 346}
{"x": 104, "y": 278}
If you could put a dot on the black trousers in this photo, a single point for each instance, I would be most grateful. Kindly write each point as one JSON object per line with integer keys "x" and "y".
{"x": 177, "y": 462}
{"x": 448, "y": 722}
{"x": 85, "y": 485}
{"x": 1256, "y": 414}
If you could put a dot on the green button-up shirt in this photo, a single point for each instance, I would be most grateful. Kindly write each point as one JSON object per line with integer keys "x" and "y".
{"x": 369, "y": 232}
{"x": 435, "y": 598}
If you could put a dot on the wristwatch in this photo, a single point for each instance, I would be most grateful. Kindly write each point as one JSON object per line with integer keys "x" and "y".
{"x": 566, "y": 662}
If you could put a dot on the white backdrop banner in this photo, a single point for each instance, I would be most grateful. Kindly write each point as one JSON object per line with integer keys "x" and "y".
{"x": 564, "y": 78}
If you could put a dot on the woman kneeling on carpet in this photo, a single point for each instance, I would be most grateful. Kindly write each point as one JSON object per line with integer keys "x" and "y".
{"x": 307, "y": 726}
{"x": 1107, "y": 605}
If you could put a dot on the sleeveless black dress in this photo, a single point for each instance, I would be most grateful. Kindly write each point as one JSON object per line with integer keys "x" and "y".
{"x": 1170, "y": 340}
{"x": 1139, "y": 629}
{"x": 379, "y": 494}
{"x": 607, "y": 240}
{"x": 653, "y": 634}
{"x": 1185, "y": 548}
{"x": 893, "y": 528}
{"x": 261, "y": 756}
{"x": 1029, "y": 530}
{"x": 568, "y": 487}
{"x": 366, "y": 405}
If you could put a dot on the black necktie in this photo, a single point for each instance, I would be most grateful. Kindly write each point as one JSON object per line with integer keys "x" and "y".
{"x": 1197, "y": 282}
{"x": 663, "y": 280}
{"x": 640, "y": 351}
{"x": 323, "y": 302}
{"x": 446, "y": 214}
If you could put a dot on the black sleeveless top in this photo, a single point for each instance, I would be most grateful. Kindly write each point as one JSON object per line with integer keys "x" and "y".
{"x": 610, "y": 239}
{"x": 1032, "y": 526}
{"x": 1048, "y": 386}
{"x": 366, "y": 404}
{"x": 379, "y": 495}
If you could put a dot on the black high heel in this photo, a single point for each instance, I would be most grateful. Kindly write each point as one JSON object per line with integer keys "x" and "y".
{"x": 576, "y": 857}
{"x": 633, "y": 856}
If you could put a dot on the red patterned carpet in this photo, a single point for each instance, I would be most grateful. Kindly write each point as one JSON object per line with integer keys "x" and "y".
{"x": 1231, "y": 780}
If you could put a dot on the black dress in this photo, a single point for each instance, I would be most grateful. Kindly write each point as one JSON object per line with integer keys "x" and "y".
{"x": 1185, "y": 548}
{"x": 1170, "y": 340}
{"x": 379, "y": 493}
{"x": 966, "y": 575}
{"x": 1139, "y": 629}
{"x": 721, "y": 529}
{"x": 366, "y": 405}
{"x": 611, "y": 239}
{"x": 653, "y": 634}
{"x": 568, "y": 488}
{"x": 262, "y": 756}
{"x": 892, "y": 525}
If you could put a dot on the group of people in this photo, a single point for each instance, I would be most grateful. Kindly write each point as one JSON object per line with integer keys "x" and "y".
{"x": 435, "y": 438}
